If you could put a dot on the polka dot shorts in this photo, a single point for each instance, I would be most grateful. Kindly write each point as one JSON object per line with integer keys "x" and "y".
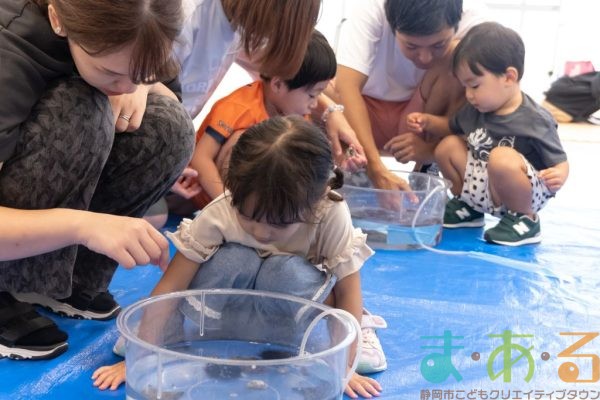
{"x": 476, "y": 193}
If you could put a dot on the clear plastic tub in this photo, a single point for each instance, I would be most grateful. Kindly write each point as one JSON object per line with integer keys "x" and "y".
{"x": 236, "y": 344}
{"x": 398, "y": 220}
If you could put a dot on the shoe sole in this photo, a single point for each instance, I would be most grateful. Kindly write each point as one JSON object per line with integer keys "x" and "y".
{"x": 65, "y": 309}
{"x": 33, "y": 352}
{"x": 367, "y": 369}
{"x": 533, "y": 240}
{"x": 478, "y": 223}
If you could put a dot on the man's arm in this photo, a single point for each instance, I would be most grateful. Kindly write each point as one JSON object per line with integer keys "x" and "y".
{"x": 349, "y": 84}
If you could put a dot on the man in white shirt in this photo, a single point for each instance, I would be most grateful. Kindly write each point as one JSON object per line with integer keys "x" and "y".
{"x": 394, "y": 58}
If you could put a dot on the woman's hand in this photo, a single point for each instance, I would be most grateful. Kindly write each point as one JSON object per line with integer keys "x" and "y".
{"x": 129, "y": 109}
{"x": 129, "y": 241}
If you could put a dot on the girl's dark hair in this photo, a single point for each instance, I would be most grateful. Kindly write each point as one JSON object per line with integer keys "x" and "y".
{"x": 284, "y": 166}
{"x": 319, "y": 63}
{"x": 423, "y": 17}
{"x": 103, "y": 26}
{"x": 278, "y": 30}
{"x": 491, "y": 46}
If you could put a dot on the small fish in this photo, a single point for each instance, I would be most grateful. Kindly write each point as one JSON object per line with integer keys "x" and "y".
{"x": 275, "y": 354}
{"x": 223, "y": 371}
{"x": 151, "y": 393}
{"x": 257, "y": 384}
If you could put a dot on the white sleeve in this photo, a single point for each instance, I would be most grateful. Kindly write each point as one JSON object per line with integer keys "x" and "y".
{"x": 200, "y": 238}
{"x": 182, "y": 47}
{"x": 360, "y": 36}
{"x": 343, "y": 247}
{"x": 187, "y": 241}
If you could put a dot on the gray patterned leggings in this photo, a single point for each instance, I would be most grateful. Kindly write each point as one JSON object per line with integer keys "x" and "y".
{"x": 69, "y": 156}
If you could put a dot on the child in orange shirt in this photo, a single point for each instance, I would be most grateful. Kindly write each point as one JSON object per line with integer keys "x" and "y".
{"x": 253, "y": 103}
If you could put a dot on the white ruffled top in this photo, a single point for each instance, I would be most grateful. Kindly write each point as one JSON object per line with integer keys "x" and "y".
{"x": 332, "y": 244}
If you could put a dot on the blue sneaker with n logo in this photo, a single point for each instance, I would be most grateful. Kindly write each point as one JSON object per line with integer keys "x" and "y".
{"x": 515, "y": 229}
{"x": 459, "y": 214}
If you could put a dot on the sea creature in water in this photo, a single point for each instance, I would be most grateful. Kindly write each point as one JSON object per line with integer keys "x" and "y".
{"x": 151, "y": 393}
{"x": 232, "y": 371}
{"x": 218, "y": 371}
{"x": 317, "y": 388}
{"x": 257, "y": 384}
{"x": 275, "y": 354}
{"x": 313, "y": 393}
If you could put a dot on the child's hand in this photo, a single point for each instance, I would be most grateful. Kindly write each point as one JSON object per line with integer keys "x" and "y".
{"x": 362, "y": 386}
{"x": 416, "y": 122}
{"x": 342, "y": 135}
{"x": 187, "y": 185}
{"x": 353, "y": 159}
{"x": 555, "y": 177}
{"x": 109, "y": 376}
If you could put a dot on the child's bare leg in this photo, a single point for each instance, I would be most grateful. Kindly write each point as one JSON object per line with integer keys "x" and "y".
{"x": 109, "y": 376}
{"x": 509, "y": 184}
{"x": 451, "y": 156}
{"x": 330, "y": 300}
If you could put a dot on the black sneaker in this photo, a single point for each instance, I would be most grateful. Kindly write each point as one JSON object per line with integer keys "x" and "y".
{"x": 25, "y": 334}
{"x": 82, "y": 304}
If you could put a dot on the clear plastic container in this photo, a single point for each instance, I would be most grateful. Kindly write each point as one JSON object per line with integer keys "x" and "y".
{"x": 236, "y": 344}
{"x": 398, "y": 220}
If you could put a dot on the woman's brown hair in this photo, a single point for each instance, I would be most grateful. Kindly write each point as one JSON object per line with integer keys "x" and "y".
{"x": 279, "y": 30}
{"x": 102, "y": 26}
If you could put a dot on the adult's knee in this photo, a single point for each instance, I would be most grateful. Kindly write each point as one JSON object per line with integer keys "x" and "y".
{"x": 169, "y": 126}
{"x": 72, "y": 117}
{"x": 63, "y": 147}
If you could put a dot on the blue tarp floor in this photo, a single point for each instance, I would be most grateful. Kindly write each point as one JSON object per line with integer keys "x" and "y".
{"x": 548, "y": 292}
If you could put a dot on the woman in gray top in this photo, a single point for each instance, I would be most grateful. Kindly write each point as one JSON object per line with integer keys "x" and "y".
{"x": 70, "y": 187}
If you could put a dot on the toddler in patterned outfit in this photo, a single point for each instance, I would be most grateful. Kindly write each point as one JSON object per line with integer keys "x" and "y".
{"x": 501, "y": 150}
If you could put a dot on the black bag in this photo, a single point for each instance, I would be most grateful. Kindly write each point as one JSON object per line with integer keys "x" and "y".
{"x": 578, "y": 96}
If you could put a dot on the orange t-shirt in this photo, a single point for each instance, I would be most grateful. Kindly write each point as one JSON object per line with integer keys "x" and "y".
{"x": 239, "y": 110}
